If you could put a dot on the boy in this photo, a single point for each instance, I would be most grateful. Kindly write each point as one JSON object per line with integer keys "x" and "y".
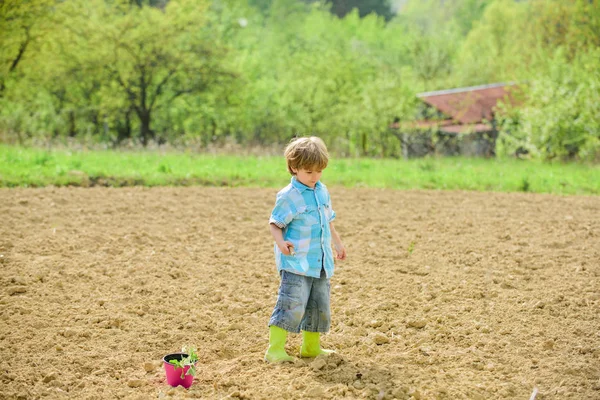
{"x": 302, "y": 225}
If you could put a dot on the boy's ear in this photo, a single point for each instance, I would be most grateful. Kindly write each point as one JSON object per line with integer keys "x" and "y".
{"x": 294, "y": 171}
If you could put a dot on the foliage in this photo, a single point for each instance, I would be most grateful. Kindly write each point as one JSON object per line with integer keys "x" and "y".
{"x": 554, "y": 49}
{"x": 560, "y": 118}
{"x": 263, "y": 71}
{"x": 340, "y": 8}
{"x": 190, "y": 360}
{"x": 23, "y": 25}
{"x": 433, "y": 32}
{"x": 364, "y": 7}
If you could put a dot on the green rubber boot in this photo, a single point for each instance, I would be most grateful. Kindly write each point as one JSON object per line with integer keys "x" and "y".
{"x": 311, "y": 345}
{"x": 276, "y": 351}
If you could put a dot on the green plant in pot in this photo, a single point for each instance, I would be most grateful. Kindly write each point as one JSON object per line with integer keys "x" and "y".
{"x": 181, "y": 367}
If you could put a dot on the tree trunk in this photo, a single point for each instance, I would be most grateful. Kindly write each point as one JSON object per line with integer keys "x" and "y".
{"x": 72, "y": 126}
{"x": 145, "y": 131}
{"x": 124, "y": 129}
{"x": 95, "y": 118}
{"x": 364, "y": 143}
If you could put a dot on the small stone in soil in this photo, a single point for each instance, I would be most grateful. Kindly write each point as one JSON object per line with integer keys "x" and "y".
{"x": 135, "y": 383}
{"x": 50, "y": 377}
{"x": 149, "y": 367}
{"x": 318, "y": 364}
{"x": 380, "y": 339}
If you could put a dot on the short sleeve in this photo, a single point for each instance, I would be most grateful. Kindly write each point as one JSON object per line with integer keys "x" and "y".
{"x": 282, "y": 213}
{"x": 332, "y": 212}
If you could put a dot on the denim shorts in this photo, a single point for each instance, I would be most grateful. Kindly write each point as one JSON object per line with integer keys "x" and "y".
{"x": 302, "y": 303}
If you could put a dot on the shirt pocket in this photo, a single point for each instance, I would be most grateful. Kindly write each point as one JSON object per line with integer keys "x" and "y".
{"x": 308, "y": 215}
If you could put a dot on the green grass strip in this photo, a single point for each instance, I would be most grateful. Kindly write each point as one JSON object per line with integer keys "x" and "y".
{"x": 34, "y": 167}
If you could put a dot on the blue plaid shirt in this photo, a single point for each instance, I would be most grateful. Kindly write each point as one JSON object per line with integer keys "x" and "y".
{"x": 304, "y": 215}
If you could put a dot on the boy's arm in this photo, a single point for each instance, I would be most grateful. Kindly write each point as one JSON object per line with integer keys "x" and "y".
{"x": 283, "y": 245}
{"x": 337, "y": 243}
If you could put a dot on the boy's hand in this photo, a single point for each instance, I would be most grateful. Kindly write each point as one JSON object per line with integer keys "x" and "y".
{"x": 341, "y": 251}
{"x": 287, "y": 248}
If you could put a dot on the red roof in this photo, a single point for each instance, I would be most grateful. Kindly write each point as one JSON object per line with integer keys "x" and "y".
{"x": 471, "y": 104}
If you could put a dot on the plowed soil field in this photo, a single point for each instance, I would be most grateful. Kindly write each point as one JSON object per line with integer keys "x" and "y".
{"x": 444, "y": 295}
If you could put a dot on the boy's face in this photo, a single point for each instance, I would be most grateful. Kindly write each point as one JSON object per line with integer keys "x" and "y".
{"x": 308, "y": 177}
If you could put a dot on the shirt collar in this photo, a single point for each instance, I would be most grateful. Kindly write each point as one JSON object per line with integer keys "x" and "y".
{"x": 301, "y": 186}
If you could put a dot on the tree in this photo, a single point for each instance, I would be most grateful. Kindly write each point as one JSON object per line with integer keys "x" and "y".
{"x": 339, "y": 8}
{"x": 149, "y": 56}
{"x": 21, "y": 25}
{"x": 559, "y": 118}
{"x": 365, "y": 7}
{"x": 552, "y": 46}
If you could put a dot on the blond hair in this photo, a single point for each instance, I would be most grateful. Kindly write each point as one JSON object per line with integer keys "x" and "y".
{"x": 306, "y": 153}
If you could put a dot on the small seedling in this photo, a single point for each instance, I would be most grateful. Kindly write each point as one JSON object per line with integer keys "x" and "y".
{"x": 411, "y": 248}
{"x": 191, "y": 360}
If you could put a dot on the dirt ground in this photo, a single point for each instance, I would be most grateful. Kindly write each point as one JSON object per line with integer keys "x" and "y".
{"x": 444, "y": 295}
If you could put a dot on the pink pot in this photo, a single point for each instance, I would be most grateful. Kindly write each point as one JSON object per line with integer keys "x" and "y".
{"x": 174, "y": 374}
